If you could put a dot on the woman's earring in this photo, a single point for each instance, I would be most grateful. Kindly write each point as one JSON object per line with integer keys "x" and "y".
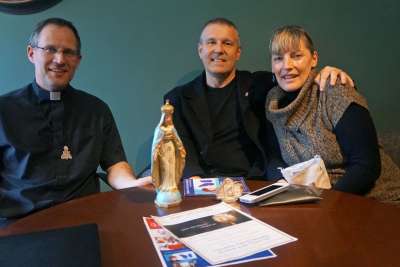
{"x": 273, "y": 78}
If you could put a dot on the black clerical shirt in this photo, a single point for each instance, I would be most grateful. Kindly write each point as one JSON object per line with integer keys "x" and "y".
{"x": 35, "y": 132}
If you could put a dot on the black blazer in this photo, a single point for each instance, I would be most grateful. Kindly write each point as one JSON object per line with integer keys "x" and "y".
{"x": 192, "y": 119}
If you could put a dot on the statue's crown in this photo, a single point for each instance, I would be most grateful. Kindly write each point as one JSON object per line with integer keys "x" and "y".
{"x": 167, "y": 108}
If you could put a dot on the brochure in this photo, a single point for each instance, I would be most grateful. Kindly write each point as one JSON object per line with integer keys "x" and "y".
{"x": 221, "y": 233}
{"x": 208, "y": 186}
{"x": 173, "y": 253}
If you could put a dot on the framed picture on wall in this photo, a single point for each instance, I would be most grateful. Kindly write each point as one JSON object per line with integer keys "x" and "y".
{"x": 21, "y": 7}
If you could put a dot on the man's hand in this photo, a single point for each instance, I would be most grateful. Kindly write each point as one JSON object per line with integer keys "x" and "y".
{"x": 120, "y": 175}
{"x": 334, "y": 74}
{"x": 142, "y": 181}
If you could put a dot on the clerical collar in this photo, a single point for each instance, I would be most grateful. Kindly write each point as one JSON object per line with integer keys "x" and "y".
{"x": 44, "y": 95}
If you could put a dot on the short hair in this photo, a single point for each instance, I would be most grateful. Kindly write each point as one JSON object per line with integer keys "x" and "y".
{"x": 288, "y": 37}
{"x": 33, "y": 39}
{"x": 221, "y": 21}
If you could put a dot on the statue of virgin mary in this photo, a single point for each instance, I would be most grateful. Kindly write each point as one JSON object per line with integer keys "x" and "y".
{"x": 168, "y": 159}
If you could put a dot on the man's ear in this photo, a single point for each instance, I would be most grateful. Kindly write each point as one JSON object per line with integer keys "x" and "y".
{"x": 79, "y": 61}
{"x": 30, "y": 53}
{"x": 239, "y": 52}
{"x": 199, "y": 49}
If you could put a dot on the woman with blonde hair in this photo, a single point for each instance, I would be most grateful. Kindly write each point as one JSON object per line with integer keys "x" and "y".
{"x": 334, "y": 124}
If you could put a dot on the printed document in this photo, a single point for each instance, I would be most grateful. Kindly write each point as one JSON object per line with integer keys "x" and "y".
{"x": 221, "y": 233}
{"x": 173, "y": 253}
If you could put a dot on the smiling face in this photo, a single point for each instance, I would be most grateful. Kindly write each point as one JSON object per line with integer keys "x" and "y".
{"x": 292, "y": 57}
{"x": 54, "y": 71}
{"x": 219, "y": 50}
{"x": 292, "y": 67}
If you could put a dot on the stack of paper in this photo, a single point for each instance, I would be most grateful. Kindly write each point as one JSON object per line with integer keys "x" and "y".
{"x": 220, "y": 234}
{"x": 174, "y": 253}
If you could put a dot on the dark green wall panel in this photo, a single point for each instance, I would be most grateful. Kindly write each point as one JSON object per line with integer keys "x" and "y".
{"x": 135, "y": 51}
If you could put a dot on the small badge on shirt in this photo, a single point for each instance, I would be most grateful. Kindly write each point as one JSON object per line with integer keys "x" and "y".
{"x": 246, "y": 94}
{"x": 66, "y": 154}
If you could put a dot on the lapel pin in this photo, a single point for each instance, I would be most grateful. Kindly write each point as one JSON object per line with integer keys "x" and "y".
{"x": 66, "y": 154}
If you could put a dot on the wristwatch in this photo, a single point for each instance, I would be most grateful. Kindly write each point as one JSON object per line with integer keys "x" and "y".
{"x": 21, "y": 7}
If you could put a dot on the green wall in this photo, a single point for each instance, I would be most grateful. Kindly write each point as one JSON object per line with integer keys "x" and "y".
{"x": 135, "y": 51}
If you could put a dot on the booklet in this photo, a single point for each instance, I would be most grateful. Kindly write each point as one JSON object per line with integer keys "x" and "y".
{"x": 208, "y": 186}
{"x": 221, "y": 233}
{"x": 174, "y": 253}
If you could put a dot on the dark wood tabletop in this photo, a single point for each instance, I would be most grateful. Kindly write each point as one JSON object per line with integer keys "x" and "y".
{"x": 340, "y": 230}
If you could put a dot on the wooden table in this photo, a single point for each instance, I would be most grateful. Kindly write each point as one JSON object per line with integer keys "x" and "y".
{"x": 341, "y": 230}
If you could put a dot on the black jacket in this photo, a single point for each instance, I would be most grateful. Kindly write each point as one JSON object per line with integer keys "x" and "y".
{"x": 192, "y": 120}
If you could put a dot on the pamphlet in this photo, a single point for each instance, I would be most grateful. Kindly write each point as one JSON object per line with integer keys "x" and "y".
{"x": 208, "y": 186}
{"x": 173, "y": 253}
{"x": 221, "y": 233}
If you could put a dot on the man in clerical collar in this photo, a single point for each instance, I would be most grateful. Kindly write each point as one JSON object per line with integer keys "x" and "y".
{"x": 53, "y": 137}
{"x": 220, "y": 115}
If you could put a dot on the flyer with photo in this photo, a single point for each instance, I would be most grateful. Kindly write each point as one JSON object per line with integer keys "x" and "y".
{"x": 208, "y": 186}
{"x": 221, "y": 233}
{"x": 173, "y": 253}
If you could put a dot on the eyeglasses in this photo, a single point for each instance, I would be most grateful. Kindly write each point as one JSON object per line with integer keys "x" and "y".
{"x": 51, "y": 51}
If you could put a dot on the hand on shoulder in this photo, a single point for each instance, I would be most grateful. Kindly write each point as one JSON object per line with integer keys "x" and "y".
{"x": 332, "y": 75}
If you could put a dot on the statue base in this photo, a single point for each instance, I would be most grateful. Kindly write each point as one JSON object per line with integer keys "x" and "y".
{"x": 166, "y": 199}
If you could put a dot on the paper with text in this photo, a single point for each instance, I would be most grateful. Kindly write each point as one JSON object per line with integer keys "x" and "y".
{"x": 173, "y": 253}
{"x": 221, "y": 233}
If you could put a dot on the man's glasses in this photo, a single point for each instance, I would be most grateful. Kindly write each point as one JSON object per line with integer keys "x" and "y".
{"x": 51, "y": 51}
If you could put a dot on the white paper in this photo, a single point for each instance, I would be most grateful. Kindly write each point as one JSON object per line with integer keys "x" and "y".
{"x": 221, "y": 233}
{"x": 172, "y": 252}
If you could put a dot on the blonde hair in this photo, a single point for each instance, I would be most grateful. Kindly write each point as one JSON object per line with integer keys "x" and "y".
{"x": 287, "y": 38}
